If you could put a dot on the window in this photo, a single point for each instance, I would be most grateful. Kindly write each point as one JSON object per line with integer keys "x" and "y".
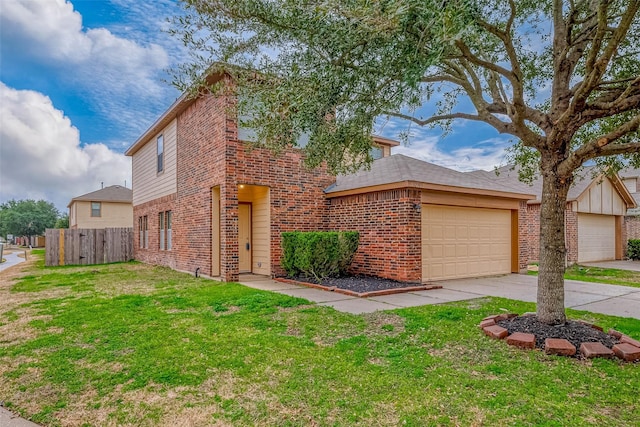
{"x": 96, "y": 207}
{"x": 169, "y": 219}
{"x": 164, "y": 222}
{"x": 249, "y": 134}
{"x": 143, "y": 232}
{"x": 160, "y": 146}
{"x": 376, "y": 153}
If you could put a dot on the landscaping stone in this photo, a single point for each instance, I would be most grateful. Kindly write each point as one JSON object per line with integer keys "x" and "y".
{"x": 559, "y": 347}
{"x": 627, "y": 339}
{"x": 627, "y": 352}
{"x": 595, "y": 349}
{"x": 488, "y": 322}
{"x": 575, "y": 338}
{"x": 496, "y": 331}
{"x": 615, "y": 333}
{"x": 506, "y": 316}
{"x": 522, "y": 340}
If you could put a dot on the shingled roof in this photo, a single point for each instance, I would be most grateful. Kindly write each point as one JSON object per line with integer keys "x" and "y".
{"x": 508, "y": 175}
{"x": 401, "y": 171}
{"x": 113, "y": 193}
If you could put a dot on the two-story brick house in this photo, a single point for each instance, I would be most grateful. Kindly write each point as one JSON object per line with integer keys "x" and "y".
{"x": 204, "y": 201}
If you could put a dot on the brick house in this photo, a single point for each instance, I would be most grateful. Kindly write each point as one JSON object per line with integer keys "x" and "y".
{"x": 631, "y": 179}
{"x": 595, "y": 227}
{"x": 203, "y": 201}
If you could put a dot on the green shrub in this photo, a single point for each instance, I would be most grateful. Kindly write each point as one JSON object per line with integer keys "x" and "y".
{"x": 318, "y": 254}
{"x": 633, "y": 249}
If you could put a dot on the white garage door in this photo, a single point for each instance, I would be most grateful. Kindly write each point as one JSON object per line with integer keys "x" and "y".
{"x": 465, "y": 242}
{"x": 596, "y": 237}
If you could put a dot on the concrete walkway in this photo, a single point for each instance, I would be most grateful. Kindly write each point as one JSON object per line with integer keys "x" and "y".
{"x": 614, "y": 300}
{"x": 12, "y": 259}
{"x": 620, "y": 265}
{"x": 8, "y": 419}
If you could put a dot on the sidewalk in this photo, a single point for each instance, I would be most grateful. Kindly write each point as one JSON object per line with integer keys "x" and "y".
{"x": 12, "y": 259}
{"x": 613, "y": 300}
{"x": 8, "y": 419}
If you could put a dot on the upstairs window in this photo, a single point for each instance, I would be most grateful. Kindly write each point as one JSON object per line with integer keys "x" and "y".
{"x": 160, "y": 150}
{"x": 376, "y": 152}
{"x": 96, "y": 209}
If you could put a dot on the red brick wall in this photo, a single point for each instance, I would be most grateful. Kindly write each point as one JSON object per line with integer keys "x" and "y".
{"x": 631, "y": 230}
{"x": 524, "y": 239}
{"x": 390, "y": 232}
{"x": 201, "y": 152}
{"x": 152, "y": 254}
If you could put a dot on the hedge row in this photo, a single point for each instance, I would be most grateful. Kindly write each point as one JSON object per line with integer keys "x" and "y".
{"x": 633, "y": 249}
{"x": 318, "y": 254}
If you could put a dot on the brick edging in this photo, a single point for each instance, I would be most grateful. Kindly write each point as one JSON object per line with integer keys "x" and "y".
{"x": 358, "y": 294}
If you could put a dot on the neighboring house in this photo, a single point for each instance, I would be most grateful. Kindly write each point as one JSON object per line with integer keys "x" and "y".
{"x": 631, "y": 180}
{"x": 204, "y": 202}
{"x": 108, "y": 207}
{"x": 594, "y": 217}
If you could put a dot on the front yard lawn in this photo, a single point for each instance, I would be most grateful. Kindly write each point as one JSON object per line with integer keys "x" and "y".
{"x": 610, "y": 276}
{"x": 130, "y": 344}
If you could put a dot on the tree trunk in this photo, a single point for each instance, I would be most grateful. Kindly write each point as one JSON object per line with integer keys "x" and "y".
{"x": 550, "y": 302}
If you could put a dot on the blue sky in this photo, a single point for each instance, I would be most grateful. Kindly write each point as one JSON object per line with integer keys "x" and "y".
{"x": 80, "y": 80}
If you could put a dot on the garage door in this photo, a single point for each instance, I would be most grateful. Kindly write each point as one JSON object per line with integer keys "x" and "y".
{"x": 596, "y": 237}
{"x": 465, "y": 242}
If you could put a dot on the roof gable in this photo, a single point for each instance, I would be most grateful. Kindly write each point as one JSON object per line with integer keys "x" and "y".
{"x": 113, "y": 193}
{"x": 584, "y": 181}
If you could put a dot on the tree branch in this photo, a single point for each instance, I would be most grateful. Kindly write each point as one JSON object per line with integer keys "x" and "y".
{"x": 603, "y": 146}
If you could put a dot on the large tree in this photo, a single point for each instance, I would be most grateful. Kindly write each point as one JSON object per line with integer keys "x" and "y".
{"x": 27, "y": 217}
{"x": 561, "y": 77}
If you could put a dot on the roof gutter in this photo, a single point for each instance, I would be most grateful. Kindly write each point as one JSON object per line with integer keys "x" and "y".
{"x": 428, "y": 186}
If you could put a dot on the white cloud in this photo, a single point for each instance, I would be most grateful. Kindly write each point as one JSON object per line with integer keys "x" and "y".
{"x": 56, "y": 32}
{"x": 113, "y": 72}
{"x": 483, "y": 155}
{"x": 41, "y": 156}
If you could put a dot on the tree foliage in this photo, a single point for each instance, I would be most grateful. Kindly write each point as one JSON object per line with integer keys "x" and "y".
{"x": 62, "y": 222}
{"x": 27, "y": 217}
{"x": 327, "y": 69}
{"x": 559, "y": 76}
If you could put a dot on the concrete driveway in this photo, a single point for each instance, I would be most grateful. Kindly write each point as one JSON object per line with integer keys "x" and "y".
{"x": 620, "y": 265}
{"x": 614, "y": 300}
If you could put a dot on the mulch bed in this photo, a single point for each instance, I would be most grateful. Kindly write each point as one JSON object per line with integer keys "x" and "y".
{"x": 574, "y": 332}
{"x": 360, "y": 286}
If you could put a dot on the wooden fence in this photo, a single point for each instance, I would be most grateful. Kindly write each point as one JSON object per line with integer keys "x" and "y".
{"x": 86, "y": 246}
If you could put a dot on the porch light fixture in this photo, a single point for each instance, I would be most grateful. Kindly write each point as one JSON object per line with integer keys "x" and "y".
{"x": 417, "y": 207}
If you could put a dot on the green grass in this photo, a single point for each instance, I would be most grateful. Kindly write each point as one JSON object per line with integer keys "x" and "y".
{"x": 609, "y": 276}
{"x": 139, "y": 345}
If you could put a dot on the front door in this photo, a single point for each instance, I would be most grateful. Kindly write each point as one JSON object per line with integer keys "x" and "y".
{"x": 244, "y": 237}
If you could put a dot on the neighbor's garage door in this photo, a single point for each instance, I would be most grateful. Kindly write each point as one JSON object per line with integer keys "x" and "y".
{"x": 596, "y": 237}
{"x": 465, "y": 242}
